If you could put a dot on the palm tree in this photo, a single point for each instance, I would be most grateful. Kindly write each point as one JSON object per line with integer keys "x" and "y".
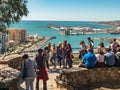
{"x": 11, "y": 11}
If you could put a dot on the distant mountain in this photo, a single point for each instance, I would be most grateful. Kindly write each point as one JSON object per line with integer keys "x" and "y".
{"x": 117, "y": 21}
{"x": 114, "y": 23}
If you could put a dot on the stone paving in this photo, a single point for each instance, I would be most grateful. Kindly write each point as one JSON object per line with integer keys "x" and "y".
{"x": 51, "y": 84}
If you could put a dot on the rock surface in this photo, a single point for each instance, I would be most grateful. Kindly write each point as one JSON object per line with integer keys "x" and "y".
{"x": 9, "y": 78}
{"x": 79, "y": 78}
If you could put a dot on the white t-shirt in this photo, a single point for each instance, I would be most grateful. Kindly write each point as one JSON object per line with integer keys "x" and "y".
{"x": 100, "y": 58}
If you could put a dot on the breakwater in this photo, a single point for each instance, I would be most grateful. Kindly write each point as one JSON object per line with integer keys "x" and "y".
{"x": 77, "y": 30}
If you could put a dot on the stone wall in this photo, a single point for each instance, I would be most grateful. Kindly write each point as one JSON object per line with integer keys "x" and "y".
{"x": 15, "y": 63}
{"x": 9, "y": 78}
{"x": 75, "y": 79}
{"x": 9, "y": 73}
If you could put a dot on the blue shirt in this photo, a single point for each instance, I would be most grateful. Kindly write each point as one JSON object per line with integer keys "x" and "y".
{"x": 109, "y": 58}
{"x": 89, "y": 59}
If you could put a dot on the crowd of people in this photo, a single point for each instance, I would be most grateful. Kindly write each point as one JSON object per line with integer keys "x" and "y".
{"x": 104, "y": 57}
{"x": 62, "y": 54}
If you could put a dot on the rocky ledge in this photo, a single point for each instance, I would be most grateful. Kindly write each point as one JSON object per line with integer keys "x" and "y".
{"x": 9, "y": 78}
{"x": 76, "y": 79}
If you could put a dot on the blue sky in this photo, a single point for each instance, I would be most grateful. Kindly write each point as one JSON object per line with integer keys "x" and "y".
{"x": 73, "y": 10}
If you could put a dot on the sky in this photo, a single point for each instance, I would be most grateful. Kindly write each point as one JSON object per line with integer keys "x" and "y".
{"x": 73, "y": 10}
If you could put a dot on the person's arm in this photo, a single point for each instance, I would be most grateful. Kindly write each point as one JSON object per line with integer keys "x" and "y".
{"x": 22, "y": 66}
{"x": 96, "y": 59}
{"x": 105, "y": 59}
{"x": 83, "y": 59}
{"x": 34, "y": 65}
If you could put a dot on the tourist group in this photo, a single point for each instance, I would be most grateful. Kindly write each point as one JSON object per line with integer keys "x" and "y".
{"x": 62, "y": 55}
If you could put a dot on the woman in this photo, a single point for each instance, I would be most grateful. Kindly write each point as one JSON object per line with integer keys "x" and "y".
{"x": 59, "y": 53}
{"x": 41, "y": 72}
{"x": 64, "y": 53}
{"x": 47, "y": 54}
{"x": 101, "y": 47}
{"x": 28, "y": 72}
{"x": 53, "y": 53}
{"x": 83, "y": 49}
{"x": 69, "y": 55}
{"x": 100, "y": 59}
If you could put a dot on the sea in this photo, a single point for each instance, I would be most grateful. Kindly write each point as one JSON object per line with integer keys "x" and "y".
{"x": 41, "y": 28}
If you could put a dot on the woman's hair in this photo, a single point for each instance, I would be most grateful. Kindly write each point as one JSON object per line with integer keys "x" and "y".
{"x": 82, "y": 42}
{"x": 101, "y": 44}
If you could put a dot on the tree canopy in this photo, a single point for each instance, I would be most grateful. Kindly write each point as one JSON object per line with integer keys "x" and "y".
{"x": 12, "y": 11}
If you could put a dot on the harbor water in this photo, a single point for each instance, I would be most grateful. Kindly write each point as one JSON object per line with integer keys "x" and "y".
{"x": 41, "y": 28}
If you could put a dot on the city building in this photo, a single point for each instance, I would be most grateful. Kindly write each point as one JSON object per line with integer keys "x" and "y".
{"x": 16, "y": 35}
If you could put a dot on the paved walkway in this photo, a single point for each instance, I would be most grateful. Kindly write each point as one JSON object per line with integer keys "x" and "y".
{"x": 51, "y": 84}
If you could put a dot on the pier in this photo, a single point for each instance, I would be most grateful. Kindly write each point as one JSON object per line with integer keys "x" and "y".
{"x": 38, "y": 45}
{"x": 77, "y": 30}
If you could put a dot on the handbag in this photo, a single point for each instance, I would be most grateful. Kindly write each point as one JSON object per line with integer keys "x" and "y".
{"x": 38, "y": 72}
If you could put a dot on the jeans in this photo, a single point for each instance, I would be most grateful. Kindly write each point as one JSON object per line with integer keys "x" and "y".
{"x": 54, "y": 60}
{"x": 29, "y": 83}
{"x": 64, "y": 61}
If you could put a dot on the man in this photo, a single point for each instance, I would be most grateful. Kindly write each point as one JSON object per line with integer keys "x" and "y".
{"x": 28, "y": 72}
{"x": 89, "y": 59}
{"x": 109, "y": 58}
{"x": 114, "y": 45}
{"x": 90, "y": 44}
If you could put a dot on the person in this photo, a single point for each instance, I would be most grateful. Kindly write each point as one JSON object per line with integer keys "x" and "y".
{"x": 64, "y": 53}
{"x": 69, "y": 55}
{"x": 117, "y": 55}
{"x": 109, "y": 58}
{"x": 83, "y": 49}
{"x": 90, "y": 44}
{"x": 53, "y": 55}
{"x": 101, "y": 47}
{"x": 100, "y": 59}
{"x": 59, "y": 53}
{"x": 28, "y": 72}
{"x": 41, "y": 72}
{"x": 114, "y": 45}
{"x": 89, "y": 59}
{"x": 46, "y": 56}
